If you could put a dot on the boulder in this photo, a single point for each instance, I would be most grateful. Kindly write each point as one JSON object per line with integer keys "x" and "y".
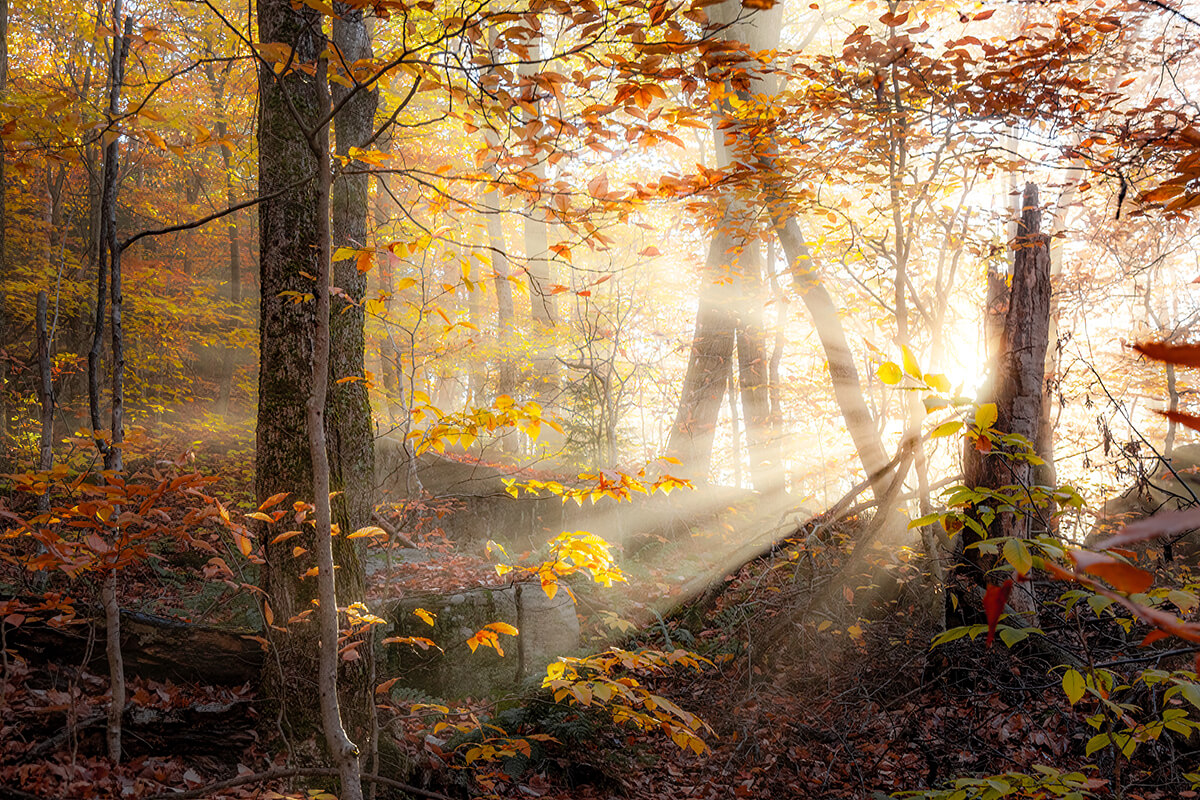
{"x": 1164, "y": 488}
{"x": 547, "y": 628}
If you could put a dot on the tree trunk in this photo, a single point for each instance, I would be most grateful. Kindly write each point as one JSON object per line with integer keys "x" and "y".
{"x": 109, "y": 266}
{"x": 766, "y": 469}
{"x": 389, "y": 356}
{"x": 4, "y": 413}
{"x": 704, "y": 383}
{"x": 1018, "y": 388}
{"x": 289, "y": 255}
{"x": 341, "y": 748}
{"x": 3, "y": 180}
{"x": 217, "y": 85}
{"x": 45, "y": 397}
{"x": 543, "y": 306}
{"x": 847, "y": 388}
{"x": 351, "y": 440}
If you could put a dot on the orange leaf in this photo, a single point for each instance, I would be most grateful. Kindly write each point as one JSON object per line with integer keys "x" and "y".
{"x": 273, "y": 500}
{"x": 1123, "y": 577}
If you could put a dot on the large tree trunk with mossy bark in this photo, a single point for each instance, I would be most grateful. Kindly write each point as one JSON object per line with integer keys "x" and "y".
{"x": 289, "y": 258}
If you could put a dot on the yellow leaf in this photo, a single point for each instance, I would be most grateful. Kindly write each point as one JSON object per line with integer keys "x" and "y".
{"x": 937, "y": 381}
{"x": 889, "y": 373}
{"x": 502, "y": 627}
{"x": 986, "y": 416}
{"x": 946, "y": 429}
{"x": 910, "y": 362}
{"x": 1017, "y": 554}
{"x": 370, "y": 530}
{"x": 427, "y": 616}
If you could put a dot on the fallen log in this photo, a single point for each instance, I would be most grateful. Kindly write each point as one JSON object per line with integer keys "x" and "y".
{"x": 155, "y": 648}
{"x": 208, "y": 729}
{"x": 701, "y": 592}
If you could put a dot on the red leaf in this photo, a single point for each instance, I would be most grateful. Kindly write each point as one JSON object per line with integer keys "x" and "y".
{"x": 1153, "y": 636}
{"x": 1187, "y": 420}
{"x": 1185, "y": 355}
{"x": 994, "y": 600}
{"x": 1166, "y": 524}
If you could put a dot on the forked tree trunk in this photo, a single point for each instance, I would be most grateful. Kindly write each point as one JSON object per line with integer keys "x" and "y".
{"x": 1018, "y": 387}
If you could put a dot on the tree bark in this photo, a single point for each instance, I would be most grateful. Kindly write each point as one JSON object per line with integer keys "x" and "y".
{"x": 290, "y": 255}
{"x": 45, "y": 396}
{"x": 351, "y": 440}
{"x": 704, "y": 383}
{"x": 1019, "y": 386}
{"x": 847, "y": 387}
{"x": 342, "y": 750}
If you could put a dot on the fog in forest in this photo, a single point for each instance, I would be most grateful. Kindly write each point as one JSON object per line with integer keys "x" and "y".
{"x": 713, "y": 281}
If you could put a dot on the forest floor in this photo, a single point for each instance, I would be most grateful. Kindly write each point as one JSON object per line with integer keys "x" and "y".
{"x": 820, "y": 684}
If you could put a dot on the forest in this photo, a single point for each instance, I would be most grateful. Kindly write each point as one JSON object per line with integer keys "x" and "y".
{"x": 613, "y": 398}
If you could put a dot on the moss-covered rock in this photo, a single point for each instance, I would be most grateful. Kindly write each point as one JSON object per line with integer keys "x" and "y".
{"x": 547, "y": 628}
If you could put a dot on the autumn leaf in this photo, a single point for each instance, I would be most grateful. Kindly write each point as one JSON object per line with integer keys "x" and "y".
{"x": 1073, "y": 686}
{"x": 994, "y": 600}
{"x": 1184, "y": 355}
{"x": 1122, "y": 576}
{"x": 427, "y": 616}
{"x": 889, "y": 373}
{"x": 1187, "y": 420}
{"x": 946, "y": 429}
{"x": 986, "y": 416}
